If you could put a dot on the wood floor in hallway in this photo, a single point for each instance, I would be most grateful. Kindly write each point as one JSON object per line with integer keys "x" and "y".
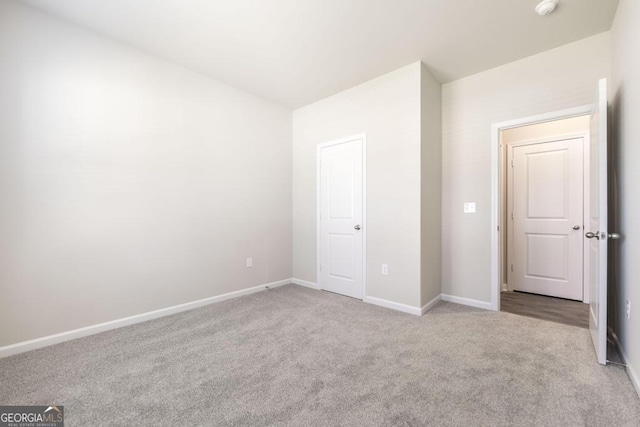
{"x": 574, "y": 313}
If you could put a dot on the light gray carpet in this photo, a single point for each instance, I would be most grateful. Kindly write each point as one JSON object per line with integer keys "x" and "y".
{"x": 301, "y": 357}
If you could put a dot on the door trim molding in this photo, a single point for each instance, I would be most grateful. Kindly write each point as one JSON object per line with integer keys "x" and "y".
{"x": 496, "y": 234}
{"x": 363, "y": 137}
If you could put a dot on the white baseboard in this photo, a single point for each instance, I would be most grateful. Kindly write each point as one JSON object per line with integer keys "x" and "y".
{"x": 34, "y": 344}
{"x": 428, "y": 306}
{"x": 467, "y": 301}
{"x": 379, "y": 301}
{"x": 305, "y": 283}
{"x": 633, "y": 375}
{"x": 393, "y": 305}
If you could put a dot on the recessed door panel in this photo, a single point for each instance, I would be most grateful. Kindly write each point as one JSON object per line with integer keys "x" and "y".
{"x": 547, "y": 192}
{"x": 547, "y": 257}
{"x": 341, "y": 256}
{"x": 341, "y": 195}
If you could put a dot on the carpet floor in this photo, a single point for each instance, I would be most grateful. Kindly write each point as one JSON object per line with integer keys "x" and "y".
{"x": 295, "y": 356}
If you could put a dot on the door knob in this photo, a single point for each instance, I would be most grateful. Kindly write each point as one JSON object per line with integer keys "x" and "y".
{"x": 576, "y": 227}
{"x": 590, "y": 235}
{"x": 614, "y": 236}
{"x": 357, "y": 227}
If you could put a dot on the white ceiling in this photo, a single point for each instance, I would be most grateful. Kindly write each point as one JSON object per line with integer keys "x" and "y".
{"x": 294, "y": 52}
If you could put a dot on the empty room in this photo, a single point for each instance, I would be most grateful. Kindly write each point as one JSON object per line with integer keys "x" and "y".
{"x": 319, "y": 212}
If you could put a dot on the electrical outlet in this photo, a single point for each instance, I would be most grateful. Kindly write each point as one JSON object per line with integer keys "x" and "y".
{"x": 628, "y": 309}
{"x": 385, "y": 269}
{"x": 249, "y": 262}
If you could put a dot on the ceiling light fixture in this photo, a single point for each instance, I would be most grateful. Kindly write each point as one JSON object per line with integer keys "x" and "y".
{"x": 546, "y": 7}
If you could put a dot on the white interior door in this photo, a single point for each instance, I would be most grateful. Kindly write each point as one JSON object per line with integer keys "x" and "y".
{"x": 597, "y": 227}
{"x": 341, "y": 249}
{"x": 547, "y": 217}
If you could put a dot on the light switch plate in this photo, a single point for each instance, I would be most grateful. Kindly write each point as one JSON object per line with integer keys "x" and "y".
{"x": 469, "y": 207}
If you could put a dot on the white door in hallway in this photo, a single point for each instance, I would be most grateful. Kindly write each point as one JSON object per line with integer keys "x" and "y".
{"x": 548, "y": 206}
{"x": 341, "y": 213}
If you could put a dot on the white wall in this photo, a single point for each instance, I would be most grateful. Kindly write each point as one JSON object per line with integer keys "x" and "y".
{"x": 626, "y": 140}
{"x": 431, "y": 186}
{"x": 388, "y": 110}
{"x": 128, "y": 184}
{"x": 557, "y": 79}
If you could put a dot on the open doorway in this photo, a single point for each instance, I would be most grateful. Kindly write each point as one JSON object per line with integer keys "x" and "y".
{"x": 596, "y": 175}
{"x": 544, "y": 205}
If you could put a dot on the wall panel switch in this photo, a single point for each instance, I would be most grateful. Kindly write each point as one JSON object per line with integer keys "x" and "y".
{"x": 469, "y": 207}
{"x": 249, "y": 262}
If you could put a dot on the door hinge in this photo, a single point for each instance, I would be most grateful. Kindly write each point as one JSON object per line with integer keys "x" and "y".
{"x": 511, "y": 267}
{"x": 320, "y": 267}
{"x": 512, "y": 215}
{"x": 511, "y": 162}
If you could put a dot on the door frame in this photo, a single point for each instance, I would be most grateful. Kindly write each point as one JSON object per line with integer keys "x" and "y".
{"x": 496, "y": 187}
{"x": 508, "y": 285}
{"x": 363, "y": 137}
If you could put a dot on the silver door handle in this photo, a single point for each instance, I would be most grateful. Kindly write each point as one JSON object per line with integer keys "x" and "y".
{"x": 576, "y": 227}
{"x": 357, "y": 227}
{"x": 614, "y": 236}
{"x": 590, "y": 235}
